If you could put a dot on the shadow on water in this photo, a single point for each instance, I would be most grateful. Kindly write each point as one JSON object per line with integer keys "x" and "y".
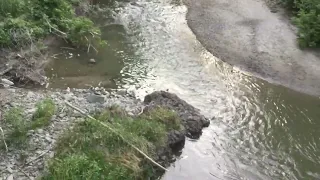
{"x": 260, "y": 130}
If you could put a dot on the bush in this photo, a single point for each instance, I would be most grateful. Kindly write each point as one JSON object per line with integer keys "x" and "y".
{"x": 24, "y": 21}
{"x": 307, "y": 20}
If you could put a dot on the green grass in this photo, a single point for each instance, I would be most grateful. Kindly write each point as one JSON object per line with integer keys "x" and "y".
{"x": 24, "y": 22}
{"x": 18, "y": 135}
{"x": 43, "y": 114}
{"x": 91, "y": 151}
{"x": 19, "y": 126}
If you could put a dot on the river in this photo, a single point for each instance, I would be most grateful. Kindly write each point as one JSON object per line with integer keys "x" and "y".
{"x": 259, "y": 130}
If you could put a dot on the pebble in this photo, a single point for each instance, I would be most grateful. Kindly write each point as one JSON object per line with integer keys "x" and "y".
{"x": 9, "y": 170}
{"x": 11, "y": 90}
{"x": 10, "y": 177}
{"x": 40, "y": 131}
{"x": 93, "y": 98}
{"x": 92, "y": 61}
{"x": 62, "y": 115}
{"x": 6, "y": 81}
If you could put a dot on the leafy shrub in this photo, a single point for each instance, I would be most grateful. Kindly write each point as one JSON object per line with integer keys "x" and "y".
{"x": 25, "y": 21}
{"x": 307, "y": 20}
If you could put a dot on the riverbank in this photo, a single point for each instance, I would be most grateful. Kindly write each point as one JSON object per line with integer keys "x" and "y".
{"x": 38, "y": 151}
{"x": 251, "y": 37}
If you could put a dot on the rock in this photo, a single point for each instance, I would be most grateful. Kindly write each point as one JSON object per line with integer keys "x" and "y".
{"x": 62, "y": 115}
{"x": 12, "y": 90}
{"x": 191, "y": 118}
{"x": 10, "y": 177}
{"x": 9, "y": 170}
{"x": 40, "y": 131}
{"x": 6, "y": 81}
{"x": 122, "y": 92}
{"x": 30, "y": 94}
{"x": 48, "y": 139}
{"x": 93, "y": 98}
{"x": 92, "y": 61}
{"x": 176, "y": 138}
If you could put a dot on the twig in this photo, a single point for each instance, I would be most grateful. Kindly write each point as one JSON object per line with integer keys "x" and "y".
{"x": 115, "y": 132}
{"x": 70, "y": 48}
{"x": 88, "y": 48}
{"x": 24, "y": 173}
{"x": 63, "y": 33}
{"x": 37, "y": 157}
{"x": 4, "y": 140}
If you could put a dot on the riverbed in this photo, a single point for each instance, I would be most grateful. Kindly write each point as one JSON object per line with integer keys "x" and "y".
{"x": 258, "y": 130}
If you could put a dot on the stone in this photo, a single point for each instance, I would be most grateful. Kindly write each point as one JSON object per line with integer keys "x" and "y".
{"x": 6, "y": 81}
{"x": 62, "y": 115}
{"x": 93, "y": 98}
{"x": 9, "y": 169}
{"x": 40, "y": 131}
{"x": 12, "y": 90}
{"x": 30, "y": 94}
{"x": 122, "y": 92}
{"x": 92, "y": 61}
{"x": 191, "y": 118}
{"x": 10, "y": 177}
{"x": 48, "y": 139}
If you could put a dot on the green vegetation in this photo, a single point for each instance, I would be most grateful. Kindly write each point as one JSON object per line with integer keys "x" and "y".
{"x": 43, "y": 114}
{"x": 18, "y": 134}
{"x": 24, "y": 22}
{"x": 20, "y": 126}
{"x": 91, "y": 151}
{"x": 307, "y": 20}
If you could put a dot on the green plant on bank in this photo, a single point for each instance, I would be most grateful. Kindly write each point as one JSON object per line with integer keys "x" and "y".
{"x": 20, "y": 127}
{"x": 45, "y": 110}
{"x": 307, "y": 19}
{"x": 15, "y": 118}
{"x": 23, "y": 22}
{"x": 90, "y": 151}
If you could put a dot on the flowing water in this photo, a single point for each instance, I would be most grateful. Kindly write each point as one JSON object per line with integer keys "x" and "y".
{"x": 260, "y": 130}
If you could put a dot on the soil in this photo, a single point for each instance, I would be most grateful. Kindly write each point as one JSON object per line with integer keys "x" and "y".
{"x": 256, "y": 37}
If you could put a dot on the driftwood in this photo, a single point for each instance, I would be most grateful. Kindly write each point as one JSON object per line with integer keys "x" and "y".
{"x": 118, "y": 134}
{"x": 4, "y": 140}
{"x": 37, "y": 157}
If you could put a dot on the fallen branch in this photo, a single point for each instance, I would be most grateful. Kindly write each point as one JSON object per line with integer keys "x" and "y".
{"x": 115, "y": 132}
{"x": 4, "y": 140}
{"x": 63, "y": 33}
{"x": 37, "y": 157}
{"x": 24, "y": 173}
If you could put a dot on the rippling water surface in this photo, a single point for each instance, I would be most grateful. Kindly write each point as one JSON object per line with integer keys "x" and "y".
{"x": 260, "y": 130}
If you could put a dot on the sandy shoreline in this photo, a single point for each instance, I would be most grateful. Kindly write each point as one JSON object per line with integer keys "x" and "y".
{"x": 248, "y": 35}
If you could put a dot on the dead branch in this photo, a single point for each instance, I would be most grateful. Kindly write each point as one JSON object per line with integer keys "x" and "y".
{"x": 63, "y": 33}
{"x": 37, "y": 157}
{"x": 24, "y": 173}
{"x": 118, "y": 134}
{"x": 3, "y": 138}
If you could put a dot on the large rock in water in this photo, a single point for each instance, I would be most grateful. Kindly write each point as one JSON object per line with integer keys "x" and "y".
{"x": 191, "y": 118}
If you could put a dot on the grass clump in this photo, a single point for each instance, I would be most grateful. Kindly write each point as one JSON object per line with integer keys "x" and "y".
{"x": 91, "y": 151}
{"x": 43, "y": 114}
{"x": 18, "y": 135}
{"x": 307, "y": 19}
{"x": 23, "y": 22}
{"x": 20, "y": 126}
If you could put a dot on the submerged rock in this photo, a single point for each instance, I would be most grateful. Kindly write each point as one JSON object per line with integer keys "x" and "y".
{"x": 92, "y": 61}
{"x": 191, "y": 118}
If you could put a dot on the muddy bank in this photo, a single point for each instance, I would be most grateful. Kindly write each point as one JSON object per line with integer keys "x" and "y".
{"x": 31, "y": 162}
{"x": 250, "y": 36}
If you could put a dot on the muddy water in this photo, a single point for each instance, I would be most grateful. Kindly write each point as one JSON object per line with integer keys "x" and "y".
{"x": 260, "y": 131}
